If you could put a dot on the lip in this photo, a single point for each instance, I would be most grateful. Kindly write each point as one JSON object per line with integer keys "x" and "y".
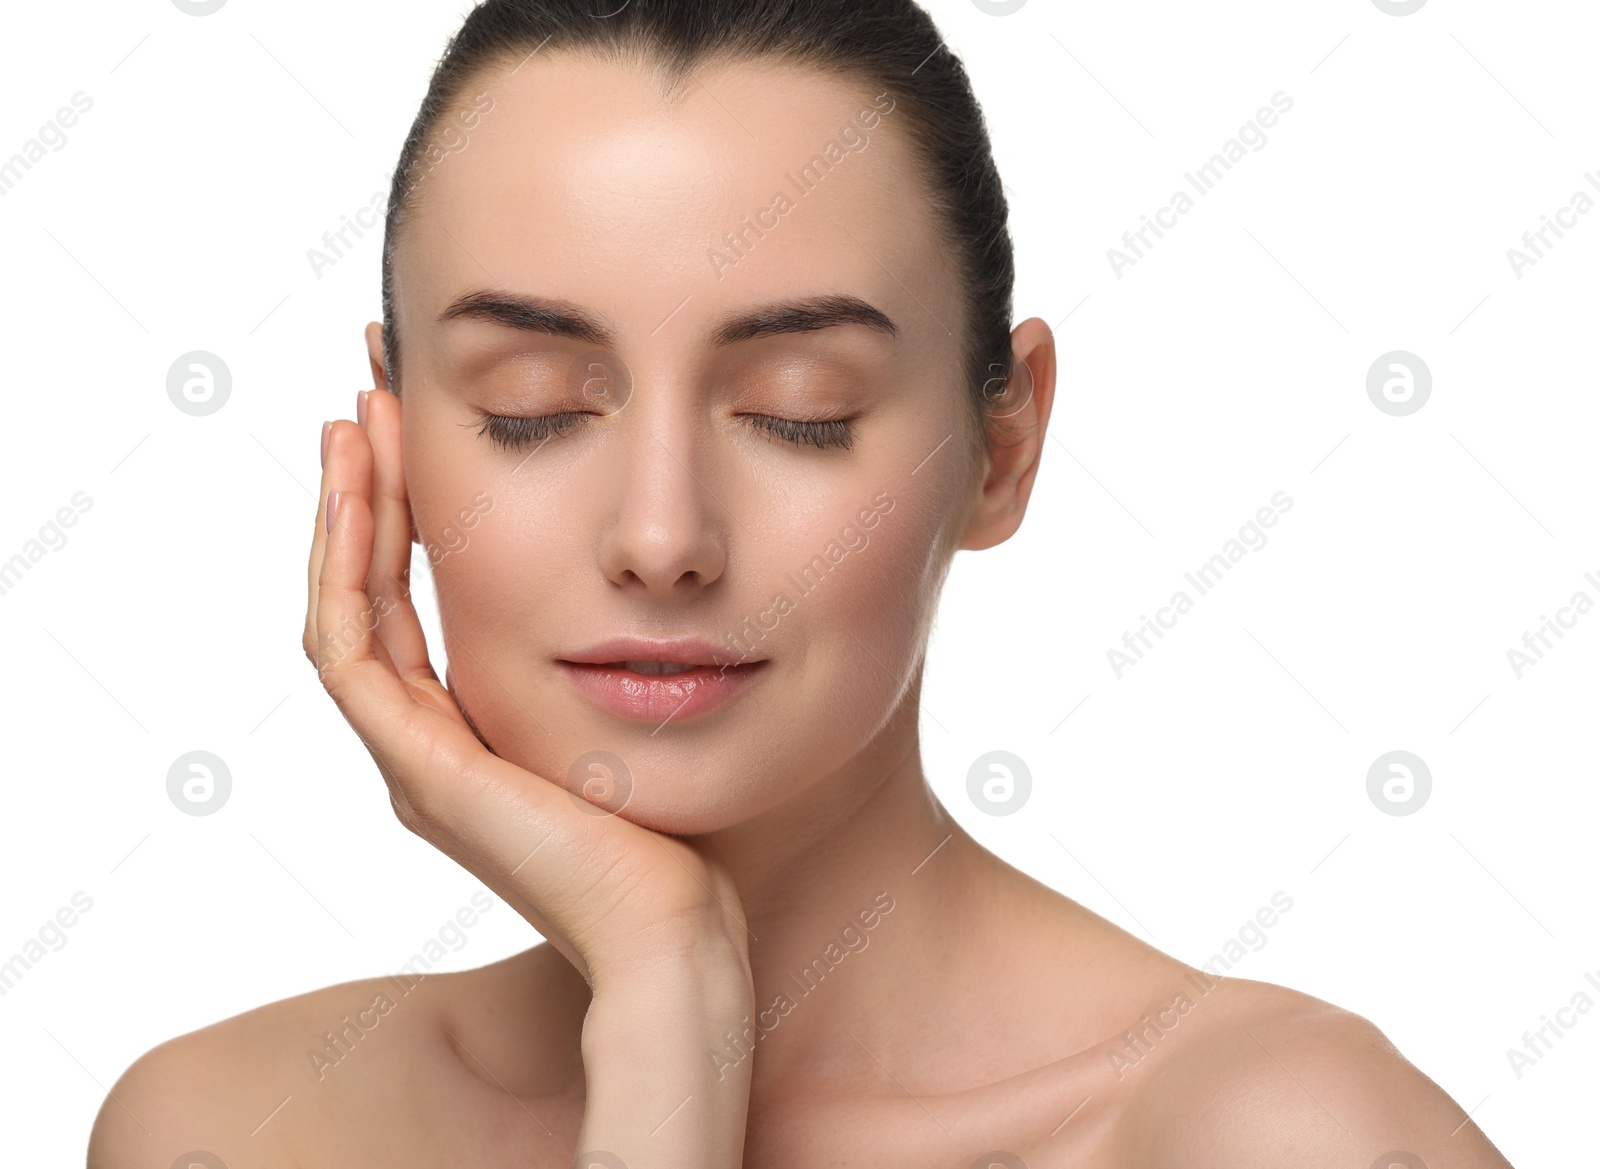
{"x": 716, "y": 679}
{"x": 691, "y": 650}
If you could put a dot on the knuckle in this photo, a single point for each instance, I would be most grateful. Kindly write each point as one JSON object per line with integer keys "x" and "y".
{"x": 336, "y": 681}
{"x": 443, "y": 781}
{"x": 428, "y": 803}
{"x": 407, "y": 817}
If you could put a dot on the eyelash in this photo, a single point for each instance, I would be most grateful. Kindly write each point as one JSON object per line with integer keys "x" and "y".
{"x": 514, "y": 432}
{"x": 834, "y": 432}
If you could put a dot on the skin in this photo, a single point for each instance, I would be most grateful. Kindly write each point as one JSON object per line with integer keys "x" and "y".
{"x": 981, "y": 1011}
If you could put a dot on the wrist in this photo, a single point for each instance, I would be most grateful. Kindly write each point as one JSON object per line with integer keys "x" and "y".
{"x": 654, "y": 1048}
{"x": 676, "y": 989}
{"x": 673, "y": 965}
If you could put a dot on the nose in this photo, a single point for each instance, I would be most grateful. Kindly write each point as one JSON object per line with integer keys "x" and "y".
{"x": 667, "y": 531}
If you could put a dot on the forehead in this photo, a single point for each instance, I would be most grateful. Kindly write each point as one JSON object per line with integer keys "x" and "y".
{"x": 571, "y": 177}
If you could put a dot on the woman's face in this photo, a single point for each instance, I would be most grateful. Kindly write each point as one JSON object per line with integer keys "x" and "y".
{"x": 576, "y": 250}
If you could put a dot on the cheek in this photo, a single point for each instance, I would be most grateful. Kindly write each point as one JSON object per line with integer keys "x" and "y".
{"x": 876, "y": 621}
{"x": 440, "y": 485}
{"x": 514, "y": 589}
{"x": 507, "y": 604}
{"x": 493, "y": 541}
{"x": 858, "y": 635}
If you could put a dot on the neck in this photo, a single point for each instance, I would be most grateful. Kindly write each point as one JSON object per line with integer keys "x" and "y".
{"x": 850, "y": 890}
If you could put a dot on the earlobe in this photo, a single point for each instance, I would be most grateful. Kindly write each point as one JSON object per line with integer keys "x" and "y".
{"x": 380, "y": 377}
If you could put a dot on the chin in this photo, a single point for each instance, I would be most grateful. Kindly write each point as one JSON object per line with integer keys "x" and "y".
{"x": 678, "y": 821}
{"x": 674, "y": 792}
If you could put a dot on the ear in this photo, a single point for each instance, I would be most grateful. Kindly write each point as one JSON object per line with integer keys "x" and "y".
{"x": 380, "y": 376}
{"x": 380, "y": 380}
{"x": 1014, "y": 428}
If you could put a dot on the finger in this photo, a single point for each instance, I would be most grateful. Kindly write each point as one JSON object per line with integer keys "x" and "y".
{"x": 390, "y": 574}
{"x": 345, "y": 618}
{"x": 308, "y": 638}
{"x": 352, "y": 664}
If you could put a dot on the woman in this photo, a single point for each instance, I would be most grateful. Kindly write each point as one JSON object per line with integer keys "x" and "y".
{"x": 696, "y": 369}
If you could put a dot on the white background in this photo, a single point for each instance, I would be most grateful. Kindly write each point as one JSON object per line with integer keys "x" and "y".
{"x": 1227, "y": 364}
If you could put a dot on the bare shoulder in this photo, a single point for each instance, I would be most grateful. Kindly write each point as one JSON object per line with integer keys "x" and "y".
{"x": 368, "y": 1061}
{"x": 1280, "y": 1079}
{"x": 214, "y": 1090}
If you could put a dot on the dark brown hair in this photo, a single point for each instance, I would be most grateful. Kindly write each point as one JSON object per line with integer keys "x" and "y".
{"x": 891, "y": 45}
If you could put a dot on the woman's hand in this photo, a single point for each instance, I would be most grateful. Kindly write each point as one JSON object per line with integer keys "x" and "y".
{"x": 655, "y": 928}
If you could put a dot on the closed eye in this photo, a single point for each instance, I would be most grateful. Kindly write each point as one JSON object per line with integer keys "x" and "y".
{"x": 514, "y": 432}
{"x": 517, "y": 432}
{"x": 835, "y": 432}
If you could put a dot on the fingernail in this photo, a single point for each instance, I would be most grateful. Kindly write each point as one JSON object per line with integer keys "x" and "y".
{"x": 326, "y": 426}
{"x": 333, "y": 507}
{"x": 361, "y": 408}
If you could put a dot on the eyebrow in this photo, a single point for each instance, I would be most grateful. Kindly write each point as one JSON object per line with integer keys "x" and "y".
{"x": 537, "y": 314}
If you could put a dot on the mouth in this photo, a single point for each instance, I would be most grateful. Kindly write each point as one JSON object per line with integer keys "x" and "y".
{"x": 668, "y": 684}
{"x": 653, "y": 669}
